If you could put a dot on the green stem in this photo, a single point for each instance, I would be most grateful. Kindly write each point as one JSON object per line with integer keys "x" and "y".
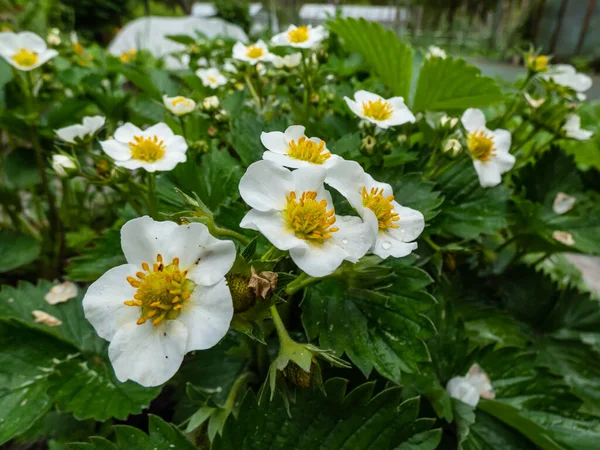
{"x": 239, "y": 383}
{"x": 307, "y": 87}
{"x": 152, "y": 197}
{"x": 284, "y": 337}
{"x": 518, "y": 97}
{"x": 300, "y": 282}
{"x": 255, "y": 95}
{"x": 432, "y": 244}
{"x": 218, "y": 231}
{"x": 507, "y": 243}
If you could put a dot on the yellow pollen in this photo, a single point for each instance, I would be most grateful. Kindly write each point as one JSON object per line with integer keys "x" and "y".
{"x": 214, "y": 79}
{"x": 308, "y": 218}
{"x": 307, "y": 150}
{"x": 25, "y": 58}
{"x": 481, "y": 145}
{"x": 298, "y": 35}
{"x": 177, "y": 100}
{"x": 127, "y": 56}
{"x": 149, "y": 149}
{"x": 378, "y": 110}
{"x": 254, "y": 52}
{"x": 381, "y": 206}
{"x": 160, "y": 291}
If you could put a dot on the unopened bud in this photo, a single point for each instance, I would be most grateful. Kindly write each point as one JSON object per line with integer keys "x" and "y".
{"x": 64, "y": 166}
{"x": 314, "y": 97}
{"x": 211, "y": 103}
{"x": 452, "y": 145}
{"x": 448, "y": 122}
{"x": 368, "y": 144}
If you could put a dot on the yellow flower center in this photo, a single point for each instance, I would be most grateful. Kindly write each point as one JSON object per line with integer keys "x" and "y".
{"x": 212, "y": 79}
{"x": 309, "y": 218}
{"x": 481, "y": 145}
{"x": 254, "y": 52}
{"x": 149, "y": 149}
{"x": 127, "y": 56}
{"x": 298, "y": 35}
{"x": 177, "y": 100}
{"x": 381, "y": 206}
{"x": 78, "y": 48}
{"x": 25, "y": 58}
{"x": 378, "y": 110}
{"x": 538, "y": 63}
{"x": 161, "y": 291}
{"x": 307, "y": 150}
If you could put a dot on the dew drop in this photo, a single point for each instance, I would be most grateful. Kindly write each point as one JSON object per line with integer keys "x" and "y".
{"x": 386, "y": 245}
{"x": 344, "y": 241}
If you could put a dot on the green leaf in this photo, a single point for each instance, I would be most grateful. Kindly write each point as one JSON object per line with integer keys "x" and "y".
{"x": 181, "y": 39}
{"x": 19, "y": 302}
{"x": 447, "y": 84}
{"x": 413, "y": 191}
{"x": 464, "y": 416}
{"x": 20, "y": 169}
{"x": 427, "y": 440}
{"x": 389, "y": 58}
{"x": 489, "y": 433}
{"x": 89, "y": 390}
{"x": 17, "y": 249}
{"x": 24, "y": 371}
{"x": 141, "y": 79}
{"x": 104, "y": 254}
{"x": 245, "y": 137}
{"x": 382, "y": 330}
{"x": 356, "y": 421}
{"x": 469, "y": 209}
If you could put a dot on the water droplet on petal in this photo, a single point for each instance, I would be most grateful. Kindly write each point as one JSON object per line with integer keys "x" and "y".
{"x": 402, "y": 231}
{"x": 344, "y": 241}
{"x": 386, "y": 245}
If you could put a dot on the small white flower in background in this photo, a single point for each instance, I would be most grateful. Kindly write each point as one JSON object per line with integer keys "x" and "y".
{"x": 156, "y": 148}
{"x": 489, "y": 149}
{"x": 563, "y": 203}
{"x": 25, "y": 51}
{"x": 304, "y": 36}
{"x": 395, "y": 226}
{"x": 435, "y": 52}
{"x": 452, "y": 145}
{"x": 447, "y": 121}
{"x": 211, "y": 77}
{"x": 179, "y": 105}
{"x": 295, "y": 212}
{"x": 383, "y": 113}
{"x": 63, "y": 165}
{"x": 470, "y": 388}
{"x": 53, "y": 37}
{"x": 567, "y": 76}
{"x": 533, "y": 102}
{"x": 202, "y": 62}
{"x": 289, "y": 61}
{"x": 83, "y": 132}
{"x": 169, "y": 299}
{"x": 45, "y": 318}
{"x": 253, "y": 53}
{"x": 564, "y": 238}
{"x": 293, "y": 149}
{"x": 211, "y": 102}
{"x": 228, "y": 66}
{"x": 572, "y": 128}
{"x": 61, "y": 293}
{"x": 261, "y": 69}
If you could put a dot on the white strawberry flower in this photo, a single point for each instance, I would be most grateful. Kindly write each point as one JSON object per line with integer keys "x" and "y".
{"x": 383, "y": 113}
{"x": 304, "y": 36}
{"x": 567, "y": 76}
{"x": 572, "y": 128}
{"x": 472, "y": 387}
{"x": 156, "y": 148}
{"x": 293, "y": 149}
{"x": 211, "y": 77}
{"x": 252, "y": 54}
{"x": 563, "y": 203}
{"x": 289, "y": 61}
{"x": 169, "y": 299}
{"x": 179, "y": 105}
{"x": 81, "y": 132}
{"x": 436, "y": 52}
{"x": 295, "y": 212}
{"x": 25, "y": 51}
{"x": 396, "y": 227}
{"x": 489, "y": 149}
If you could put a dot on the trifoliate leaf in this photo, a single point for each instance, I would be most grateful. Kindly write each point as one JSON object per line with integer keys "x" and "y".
{"x": 384, "y": 53}
{"x": 17, "y": 249}
{"x": 447, "y": 84}
{"x": 377, "y": 329}
{"x": 335, "y": 421}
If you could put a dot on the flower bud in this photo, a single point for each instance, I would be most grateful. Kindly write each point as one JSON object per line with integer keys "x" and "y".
{"x": 179, "y": 105}
{"x": 211, "y": 103}
{"x": 537, "y": 63}
{"x": 452, "y": 145}
{"x": 448, "y": 122}
{"x": 314, "y": 97}
{"x": 64, "y": 166}
{"x": 368, "y": 144}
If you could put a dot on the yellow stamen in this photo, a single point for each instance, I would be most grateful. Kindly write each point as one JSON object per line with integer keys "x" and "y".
{"x": 378, "y": 109}
{"x": 481, "y": 146}
{"x": 25, "y": 57}
{"x": 149, "y": 149}
{"x": 161, "y": 291}
{"x": 254, "y": 52}
{"x": 309, "y": 218}
{"x": 299, "y": 34}
{"x": 306, "y": 150}
{"x": 129, "y": 55}
{"x": 178, "y": 100}
{"x": 381, "y": 206}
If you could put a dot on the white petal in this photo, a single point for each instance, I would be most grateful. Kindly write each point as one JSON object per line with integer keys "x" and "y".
{"x": 348, "y": 178}
{"x": 502, "y": 140}
{"x": 103, "y": 302}
{"x": 473, "y": 119}
{"x": 370, "y": 182}
{"x": 366, "y": 96}
{"x": 68, "y": 134}
{"x": 176, "y": 144}
{"x": 563, "y": 203}
{"x": 319, "y": 260}
{"x": 265, "y": 185}
{"x": 294, "y": 133}
{"x": 286, "y": 161}
{"x": 32, "y": 41}
{"x": 166, "y": 163}
{"x": 387, "y": 245}
{"x": 461, "y": 389}
{"x": 311, "y": 179}
{"x": 411, "y": 223}
{"x": 401, "y": 116}
{"x": 207, "y": 315}
{"x": 504, "y": 162}
{"x": 8, "y": 43}
{"x": 488, "y": 173}
{"x": 116, "y": 150}
{"x": 275, "y": 141}
{"x": 143, "y": 238}
{"x": 126, "y": 132}
{"x": 149, "y": 355}
{"x": 272, "y": 225}
{"x": 93, "y": 123}
{"x": 161, "y": 130}
{"x": 354, "y": 236}
{"x": 354, "y": 107}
